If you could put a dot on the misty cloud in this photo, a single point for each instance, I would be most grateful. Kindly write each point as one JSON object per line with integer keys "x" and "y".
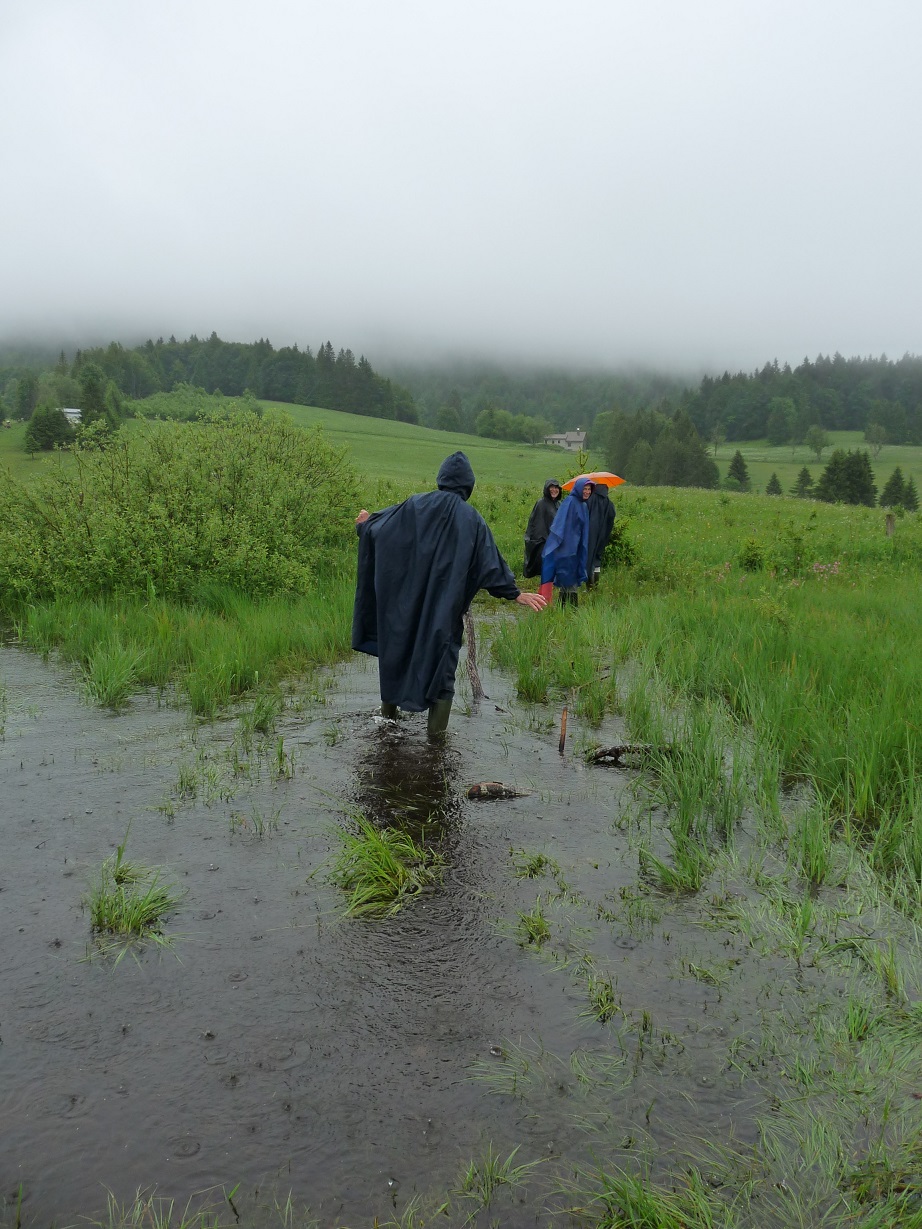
{"x": 702, "y": 183}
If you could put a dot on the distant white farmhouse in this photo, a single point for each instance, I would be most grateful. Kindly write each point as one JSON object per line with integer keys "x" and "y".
{"x": 573, "y": 441}
{"x": 72, "y": 415}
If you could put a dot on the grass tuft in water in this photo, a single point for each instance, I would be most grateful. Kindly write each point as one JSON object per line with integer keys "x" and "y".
{"x": 482, "y": 1178}
{"x": 130, "y": 901}
{"x": 533, "y": 865}
{"x": 148, "y": 1210}
{"x": 112, "y": 671}
{"x": 619, "y": 1200}
{"x": 381, "y": 868}
{"x": 533, "y": 927}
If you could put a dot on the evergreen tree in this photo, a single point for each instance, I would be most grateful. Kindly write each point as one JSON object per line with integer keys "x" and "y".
{"x": 92, "y": 381}
{"x": 910, "y": 496}
{"x": 447, "y": 418}
{"x": 774, "y": 486}
{"x": 637, "y": 467}
{"x": 739, "y": 471}
{"x": 781, "y": 418}
{"x": 848, "y": 479}
{"x": 803, "y": 487}
{"x": 894, "y": 489}
{"x": 26, "y": 394}
{"x": 48, "y": 428}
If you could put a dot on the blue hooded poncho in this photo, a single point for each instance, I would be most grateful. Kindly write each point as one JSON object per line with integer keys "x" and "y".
{"x": 420, "y": 564}
{"x": 566, "y": 552}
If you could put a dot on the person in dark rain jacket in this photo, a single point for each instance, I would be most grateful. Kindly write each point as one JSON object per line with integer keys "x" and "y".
{"x": 601, "y": 523}
{"x": 566, "y": 552}
{"x": 539, "y": 525}
{"x": 420, "y": 564}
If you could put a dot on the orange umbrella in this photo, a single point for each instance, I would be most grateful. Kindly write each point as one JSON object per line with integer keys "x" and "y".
{"x": 601, "y": 477}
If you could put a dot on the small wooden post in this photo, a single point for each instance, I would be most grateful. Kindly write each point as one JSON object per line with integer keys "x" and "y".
{"x": 891, "y": 521}
{"x": 563, "y": 730}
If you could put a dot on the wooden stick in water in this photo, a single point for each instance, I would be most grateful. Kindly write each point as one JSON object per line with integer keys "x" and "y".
{"x": 477, "y": 692}
{"x": 563, "y": 730}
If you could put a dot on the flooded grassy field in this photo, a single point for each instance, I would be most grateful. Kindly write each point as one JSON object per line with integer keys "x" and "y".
{"x": 746, "y": 1054}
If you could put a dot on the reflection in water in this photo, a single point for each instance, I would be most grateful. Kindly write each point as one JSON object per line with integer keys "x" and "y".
{"x": 407, "y": 783}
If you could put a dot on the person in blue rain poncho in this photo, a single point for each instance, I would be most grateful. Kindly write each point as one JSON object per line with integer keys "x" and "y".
{"x": 420, "y": 564}
{"x": 566, "y": 553}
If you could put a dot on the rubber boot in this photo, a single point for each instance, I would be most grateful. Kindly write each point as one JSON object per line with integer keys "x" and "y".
{"x": 439, "y": 712}
{"x": 389, "y": 711}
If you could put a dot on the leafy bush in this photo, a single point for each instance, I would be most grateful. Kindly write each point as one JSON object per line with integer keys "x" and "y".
{"x": 256, "y": 504}
{"x": 187, "y": 403}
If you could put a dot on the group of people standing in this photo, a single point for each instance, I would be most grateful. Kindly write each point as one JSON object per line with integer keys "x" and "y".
{"x": 565, "y": 538}
{"x": 420, "y": 563}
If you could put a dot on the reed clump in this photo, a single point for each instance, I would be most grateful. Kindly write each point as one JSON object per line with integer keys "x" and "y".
{"x": 380, "y": 869}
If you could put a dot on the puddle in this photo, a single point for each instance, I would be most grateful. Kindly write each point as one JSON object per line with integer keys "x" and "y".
{"x": 346, "y": 1059}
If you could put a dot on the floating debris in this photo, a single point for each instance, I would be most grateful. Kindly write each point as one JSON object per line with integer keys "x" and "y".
{"x": 492, "y": 791}
{"x": 626, "y": 755}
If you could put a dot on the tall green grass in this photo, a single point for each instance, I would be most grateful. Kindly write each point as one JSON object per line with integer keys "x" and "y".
{"x": 210, "y": 653}
{"x": 816, "y": 660}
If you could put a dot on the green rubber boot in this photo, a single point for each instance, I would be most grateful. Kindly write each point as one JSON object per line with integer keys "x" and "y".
{"x": 439, "y": 712}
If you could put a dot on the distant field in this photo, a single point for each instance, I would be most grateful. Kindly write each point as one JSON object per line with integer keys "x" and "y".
{"x": 17, "y": 462}
{"x": 762, "y": 460}
{"x": 410, "y": 455}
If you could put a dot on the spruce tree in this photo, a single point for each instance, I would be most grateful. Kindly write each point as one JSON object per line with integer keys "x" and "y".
{"x": 774, "y": 486}
{"x": 92, "y": 381}
{"x": 803, "y": 487}
{"x": 848, "y": 479}
{"x": 48, "y": 427}
{"x": 892, "y": 494}
{"x": 910, "y": 496}
{"x": 739, "y": 471}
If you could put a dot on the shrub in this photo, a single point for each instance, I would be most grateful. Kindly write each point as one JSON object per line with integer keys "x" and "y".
{"x": 48, "y": 428}
{"x": 256, "y": 504}
{"x": 620, "y": 552}
{"x": 752, "y": 555}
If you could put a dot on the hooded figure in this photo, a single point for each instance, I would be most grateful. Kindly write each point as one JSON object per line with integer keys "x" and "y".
{"x": 539, "y": 524}
{"x": 601, "y": 522}
{"x": 420, "y": 564}
{"x": 566, "y": 552}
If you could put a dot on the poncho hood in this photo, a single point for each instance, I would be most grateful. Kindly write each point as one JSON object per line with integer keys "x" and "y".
{"x": 547, "y": 489}
{"x": 456, "y": 475}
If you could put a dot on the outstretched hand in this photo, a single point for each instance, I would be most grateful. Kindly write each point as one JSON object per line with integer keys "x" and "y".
{"x": 534, "y": 601}
{"x": 362, "y": 517}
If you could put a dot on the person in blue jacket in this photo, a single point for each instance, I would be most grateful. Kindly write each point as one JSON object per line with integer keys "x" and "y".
{"x": 566, "y": 553}
{"x": 420, "y": 564}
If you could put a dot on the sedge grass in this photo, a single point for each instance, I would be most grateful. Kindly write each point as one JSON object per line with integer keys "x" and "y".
{"x": 129, "y": 902}
{"x": 210, "y": 656}
{"x": 380, "y": 869}
{"x": 482, "y": 1178}
{"x": 533, "y": 927}
{"x": 617, "y": 1199}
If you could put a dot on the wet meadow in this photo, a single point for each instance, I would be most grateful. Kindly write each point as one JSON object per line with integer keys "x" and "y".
{"x": 267, "y": 962}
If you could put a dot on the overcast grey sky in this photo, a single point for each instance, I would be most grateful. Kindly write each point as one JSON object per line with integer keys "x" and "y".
{"x": 688, "y": 183}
